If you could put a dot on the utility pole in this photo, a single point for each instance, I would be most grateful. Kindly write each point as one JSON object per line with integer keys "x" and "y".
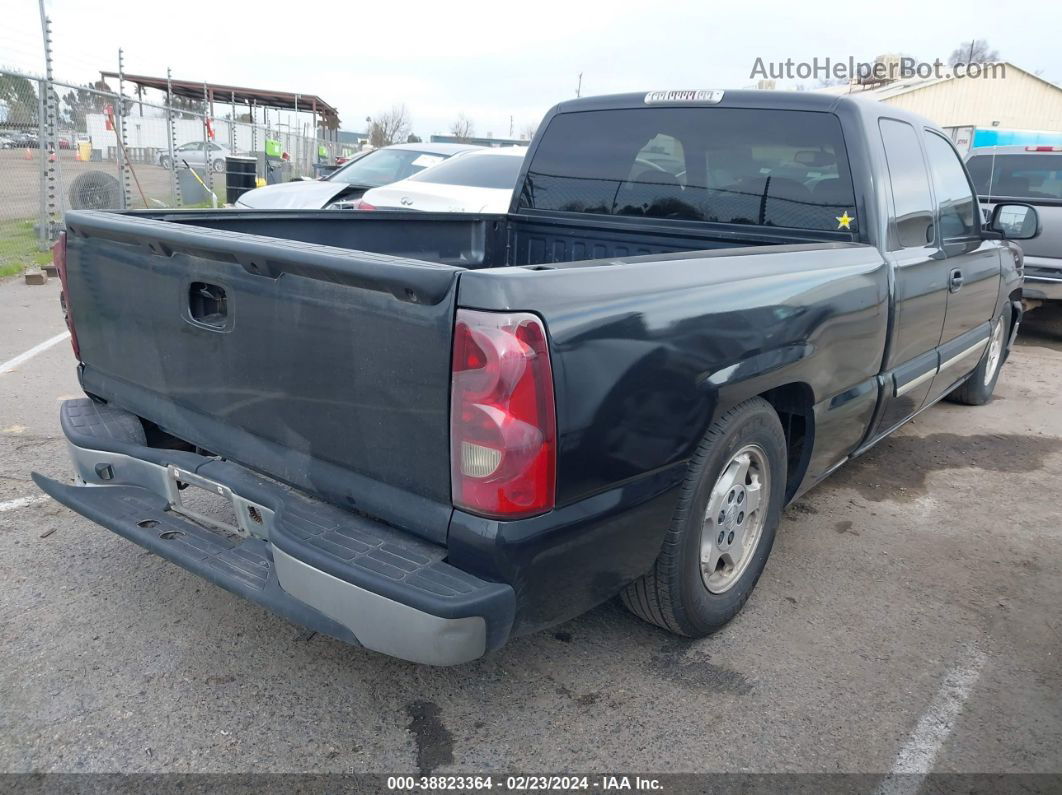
{"x": 579, "y": 88}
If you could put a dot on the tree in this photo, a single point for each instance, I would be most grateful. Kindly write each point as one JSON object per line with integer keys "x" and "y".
{"x": 527, "y": 132}
{"x": 79, "y": 102}
{"x": 463, "y": 129}
{"x": 389, "y": 127}
{"x": 413, "y": 139}
{"x": 973, "y": 51}
{"x": 20, "y": 98}
{"x": 187, "y": 107}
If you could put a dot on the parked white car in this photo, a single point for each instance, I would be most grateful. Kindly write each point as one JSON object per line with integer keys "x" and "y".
{"x": 347, "y": 183}
{"x": 194, "y": 153}
{"x": 480, "y": 181}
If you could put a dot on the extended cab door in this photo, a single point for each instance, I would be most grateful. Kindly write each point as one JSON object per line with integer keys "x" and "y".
{"x": 973, "y": 266}
{"x": 921, "y": 278}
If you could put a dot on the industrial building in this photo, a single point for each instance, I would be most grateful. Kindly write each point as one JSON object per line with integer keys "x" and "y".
{"x": 1012, "y": 106}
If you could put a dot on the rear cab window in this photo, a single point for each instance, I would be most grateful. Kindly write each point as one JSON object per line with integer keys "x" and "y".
{"x": 765, "y": 167}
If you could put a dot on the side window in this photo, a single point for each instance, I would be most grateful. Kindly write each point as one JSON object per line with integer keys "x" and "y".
{"x": 913, "y": 204}
{"x": 958, "y": 208}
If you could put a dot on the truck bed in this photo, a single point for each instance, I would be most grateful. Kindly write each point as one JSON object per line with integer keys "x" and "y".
{"x": 326, "y": 364}
{"x": 474, "y": 241}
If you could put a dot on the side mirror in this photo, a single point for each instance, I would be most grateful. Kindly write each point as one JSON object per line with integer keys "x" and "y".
{"x": 1015, "y": 221}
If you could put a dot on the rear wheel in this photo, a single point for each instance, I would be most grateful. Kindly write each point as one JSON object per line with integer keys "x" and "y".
{"x": 723, "y": 528}
{"x": 978, "y": 388}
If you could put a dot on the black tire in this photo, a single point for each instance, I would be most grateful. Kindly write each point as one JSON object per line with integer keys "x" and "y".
{"x": 673, "y": 594}
{"x": 164, "y": 162}
{"x": 978, "y": 388}
{"x": 95, "y": 190}
{"x": 218, "y": 166}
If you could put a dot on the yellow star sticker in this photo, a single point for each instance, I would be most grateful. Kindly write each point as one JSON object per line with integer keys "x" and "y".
{"x": 844, "y": 220}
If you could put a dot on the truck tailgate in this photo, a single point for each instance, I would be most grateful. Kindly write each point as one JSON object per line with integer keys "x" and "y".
{"x": 323, "y": 367}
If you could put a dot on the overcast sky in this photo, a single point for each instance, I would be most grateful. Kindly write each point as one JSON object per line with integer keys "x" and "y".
{"x": 491, "y": 61}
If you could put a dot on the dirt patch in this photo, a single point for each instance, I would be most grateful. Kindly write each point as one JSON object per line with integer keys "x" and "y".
{"x": 801, "y": 509}
{"x": 897, "y": 467}
{"x": 845, "y": 527}
{"x": 671, "y": 664}
{"x": 588, "y": 699}
{"x": 435, "y": 744}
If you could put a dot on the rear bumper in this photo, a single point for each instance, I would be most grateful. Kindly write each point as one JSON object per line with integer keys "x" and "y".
{"x": 333, "y": 571}
{"x": 1043, "y": 279}
{"x": 1042, "y": 289}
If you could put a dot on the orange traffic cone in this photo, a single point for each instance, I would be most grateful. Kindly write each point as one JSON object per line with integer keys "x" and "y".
{"x": 27, "y": 155}
{"x": 77, "y": 152}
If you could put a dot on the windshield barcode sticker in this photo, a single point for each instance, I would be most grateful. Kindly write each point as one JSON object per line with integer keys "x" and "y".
{"x": 710, "y": 96}
{"x": 428, "y": 160}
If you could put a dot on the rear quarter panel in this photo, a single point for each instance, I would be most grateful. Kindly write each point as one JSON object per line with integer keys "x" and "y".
{"x": 647, "y": 351}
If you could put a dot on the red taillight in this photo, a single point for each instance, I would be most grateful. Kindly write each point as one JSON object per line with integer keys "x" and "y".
{"x": 1043, "y": 149}
{"x": 361, "y": 204}
{"x": 503, "y": 429}
{"x": 59, "y": 261}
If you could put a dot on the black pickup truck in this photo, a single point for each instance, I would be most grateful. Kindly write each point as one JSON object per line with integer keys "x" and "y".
{"x": 429, "y": 432}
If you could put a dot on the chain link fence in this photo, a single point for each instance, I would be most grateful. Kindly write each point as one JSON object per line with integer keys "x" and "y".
{"x": 69, "y": 147}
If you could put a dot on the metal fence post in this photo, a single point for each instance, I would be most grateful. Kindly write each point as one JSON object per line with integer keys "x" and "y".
{"x": 207, "y": 159}
{"x": 47, "y": 140}
{"x": 123, "y": 161}
{"x": 43, "y": 233}
{"x": 232, "y": 123}
{"x": 58, "y": 209}
{"x": 171, "y": 141}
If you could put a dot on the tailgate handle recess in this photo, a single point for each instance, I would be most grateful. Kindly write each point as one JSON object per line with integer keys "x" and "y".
{"x": 208, "y": 304}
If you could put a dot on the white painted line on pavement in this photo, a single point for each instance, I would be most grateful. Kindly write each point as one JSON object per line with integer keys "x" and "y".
{"x": 23, "y": 502}
{"x": 11, "y": 364}
{"x": 915, "y": 759}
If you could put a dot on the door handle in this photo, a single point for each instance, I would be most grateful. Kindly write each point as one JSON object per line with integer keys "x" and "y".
{"x": 956, "y": 281}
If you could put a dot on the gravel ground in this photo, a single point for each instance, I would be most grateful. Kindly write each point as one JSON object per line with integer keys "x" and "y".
{"x": 910, "y": 611}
